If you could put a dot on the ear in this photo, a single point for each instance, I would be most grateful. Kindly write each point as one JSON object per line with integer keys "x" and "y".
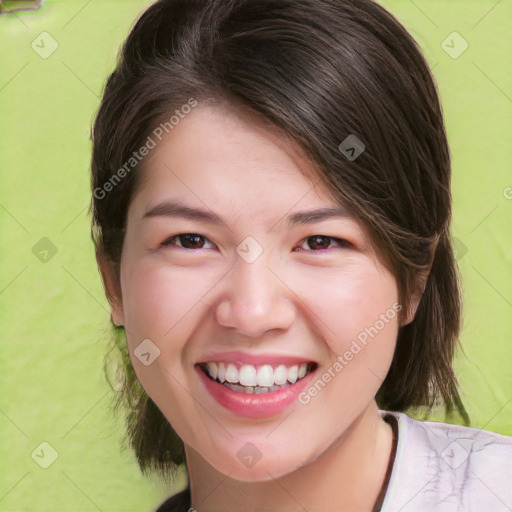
{"x": 416, "y": 295}
{"x": 415, "y": 298}
{"x": 112, "y": 286}
{"x": 412, "y": 307}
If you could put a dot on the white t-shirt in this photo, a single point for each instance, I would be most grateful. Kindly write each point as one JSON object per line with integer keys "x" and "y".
{"x": 440, "y": 467}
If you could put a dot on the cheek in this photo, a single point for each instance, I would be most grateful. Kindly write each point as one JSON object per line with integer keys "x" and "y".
{"x": 352, "y": 304}
{"x": 359, "y": 323}
{"x": 150, "y": 301}
{"x": 162, "y": 303}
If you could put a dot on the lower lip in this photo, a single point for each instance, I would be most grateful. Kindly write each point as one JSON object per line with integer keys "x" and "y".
{"x": 251, "y": 405}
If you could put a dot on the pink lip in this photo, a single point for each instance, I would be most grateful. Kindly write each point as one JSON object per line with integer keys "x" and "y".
{"x": 254, "y": 359}
{"x": 251, "y": 405}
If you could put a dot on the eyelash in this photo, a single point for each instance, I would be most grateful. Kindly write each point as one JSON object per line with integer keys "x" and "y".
{"x": 341, "y": 242}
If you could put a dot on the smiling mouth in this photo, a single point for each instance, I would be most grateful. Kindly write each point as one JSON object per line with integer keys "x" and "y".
{"x": 256, "y": 379}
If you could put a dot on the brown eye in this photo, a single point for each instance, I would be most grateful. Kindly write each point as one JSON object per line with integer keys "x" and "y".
{"x": 318, "y": 243}
{"x": 186, "y": 241}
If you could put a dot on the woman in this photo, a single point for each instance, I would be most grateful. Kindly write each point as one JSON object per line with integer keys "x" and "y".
{"x": 271, "y": 215}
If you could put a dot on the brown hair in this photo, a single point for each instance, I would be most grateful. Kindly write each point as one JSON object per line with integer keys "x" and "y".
{"x": 318, "y": 71}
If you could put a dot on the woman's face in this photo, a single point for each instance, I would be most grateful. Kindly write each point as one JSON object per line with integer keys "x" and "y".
{"x": 288, "y": 305}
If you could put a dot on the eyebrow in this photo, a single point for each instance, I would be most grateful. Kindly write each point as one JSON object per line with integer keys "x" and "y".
{"x": 175, "y": 209}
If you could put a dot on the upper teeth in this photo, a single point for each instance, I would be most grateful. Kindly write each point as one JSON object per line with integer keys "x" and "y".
{"x": 250, "y": 375}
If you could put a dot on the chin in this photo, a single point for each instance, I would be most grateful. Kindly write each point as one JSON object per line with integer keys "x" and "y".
{"x": 245, "y": 469}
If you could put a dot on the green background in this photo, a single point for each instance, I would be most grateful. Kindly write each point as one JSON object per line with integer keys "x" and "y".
{"x": 54, "y": 315}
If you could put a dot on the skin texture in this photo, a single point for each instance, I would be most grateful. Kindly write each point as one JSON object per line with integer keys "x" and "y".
{"x": 294, "y": 299}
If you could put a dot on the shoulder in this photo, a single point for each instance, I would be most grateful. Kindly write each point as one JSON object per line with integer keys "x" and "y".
{"x": 441, "y": 467}
{"x": 178, "y": 503}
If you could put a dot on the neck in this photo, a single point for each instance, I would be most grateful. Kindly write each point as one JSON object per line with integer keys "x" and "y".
{"x": 347, "y": 476}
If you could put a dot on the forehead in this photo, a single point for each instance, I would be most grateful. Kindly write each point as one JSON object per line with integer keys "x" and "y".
{"x": 220, "y": 155}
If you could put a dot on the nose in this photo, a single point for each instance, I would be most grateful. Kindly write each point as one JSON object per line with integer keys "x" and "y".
{"x": 256, "y": 299}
